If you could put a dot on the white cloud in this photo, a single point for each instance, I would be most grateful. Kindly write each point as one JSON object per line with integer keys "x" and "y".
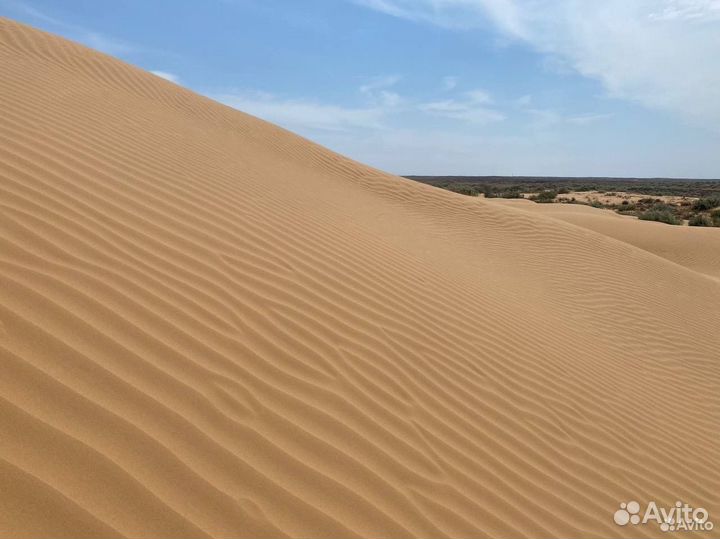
{"x": 90, "y": 38}
{"x": 379, "y": 82}
{"x": 544, "y": 118}
{"x": 103, "y": 43}
{"x": 449, "y": 13}
{"x": 303, "y": 115}
{"x": 479, "y": 96}
{"x": 663, "y": 54}
{"x": 450, "y": 83}
{"x": 698, "y": 10}
{"x": 378, "y": 113}
{"x": 172, "y": 77}
{"x": 25, "y": 9}
{"x": 380, "y": 107}
{"x": 390, "y": 99}
{"x": 472, "y": 109}
{"x": 589, "y": 118}
{"x": 378, "y": 94}
{"x": 391, "y": 7}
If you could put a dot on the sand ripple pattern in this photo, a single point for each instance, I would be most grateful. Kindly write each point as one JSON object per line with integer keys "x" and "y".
{"x": 210, "y": 327}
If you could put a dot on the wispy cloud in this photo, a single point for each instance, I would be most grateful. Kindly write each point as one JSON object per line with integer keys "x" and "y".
{"x": 96, "y": 40}
{"x": 696, "y": 10}
{"x": 546, "y": 118}
{"x": 463, "y": 14}
{"x": 104, "y": 43}
{"x": 589, "y": 118}
{"x": 25, "y": 9}
{"x": 172, "y": 77}
{"x": 377, "y": 83}
{"x": 479, "y": 96}
{"x": 377, "y": 91}
{"x": 471, "y": 107}
{"x": 303, "y": 114}
{"x": 380, "y": 107}
{"x": 661, "y": 54}
{"x": 390, "y": 7}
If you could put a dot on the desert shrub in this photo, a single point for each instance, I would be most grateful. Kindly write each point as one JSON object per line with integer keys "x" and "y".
{"x": 563, "y": 191}
{"x": 488, "y": 191}
{"x": 707, "y": 203}
{"x": 463, "y": 190}
{"x": 627, "y": 207}
{"x": 545, "y": 196}
{"x": 661, "y": 213}
{"x": 715, "y": 216}
{"x": 701, "y": 219}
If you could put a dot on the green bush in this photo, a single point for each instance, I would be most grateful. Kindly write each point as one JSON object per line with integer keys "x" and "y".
{"x": 627, "y": 207}
{"x": 661, "y": 213}
{"x": 488, "y": 191}
{"x": 707, "y": 203}
{"x": 715, "y": 216}
{"x": 545, "y": 196}
{"x": 701, "y": 219}
{"x": 463, "y": 190}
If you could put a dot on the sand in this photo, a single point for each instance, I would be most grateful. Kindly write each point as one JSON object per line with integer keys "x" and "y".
{"x": 696, "y": 248}
{"x": 211, "y": 327}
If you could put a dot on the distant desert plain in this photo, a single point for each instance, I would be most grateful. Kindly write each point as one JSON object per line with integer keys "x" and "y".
{"x": 212, "y": 327}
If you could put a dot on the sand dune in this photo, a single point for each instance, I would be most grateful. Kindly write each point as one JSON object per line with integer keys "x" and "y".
{"x": 210, "y": 327}
{"x": 696, "y": 248}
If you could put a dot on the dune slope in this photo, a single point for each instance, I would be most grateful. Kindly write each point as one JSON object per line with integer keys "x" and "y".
{"x": 210, "y": 327}
{"x": 696, "y": 248}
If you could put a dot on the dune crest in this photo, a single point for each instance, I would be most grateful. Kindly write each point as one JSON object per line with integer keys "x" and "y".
{"x": 211, "y": 327}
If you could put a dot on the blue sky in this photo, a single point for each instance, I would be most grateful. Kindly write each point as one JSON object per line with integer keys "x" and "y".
{"x": 479, "y": 87}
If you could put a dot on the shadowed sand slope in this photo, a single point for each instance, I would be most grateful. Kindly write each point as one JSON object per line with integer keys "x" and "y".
{"x": 697, "y": 248}
{"x": 210, "y": 327}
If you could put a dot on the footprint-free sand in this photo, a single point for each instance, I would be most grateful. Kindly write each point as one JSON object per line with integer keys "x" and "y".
{"x": 212, "y": 327}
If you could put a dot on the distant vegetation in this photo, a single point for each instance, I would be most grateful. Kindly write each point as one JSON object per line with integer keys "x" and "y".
{"x": 707, "y": 203}
{"x": 545, "y": 196}
{"x": 705, "y": 219}
{"x": 497, "y": 185}
{"x": 705, "y": 211}
{"x": 701, "y": 220}
{"x": 662, "y": 213}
